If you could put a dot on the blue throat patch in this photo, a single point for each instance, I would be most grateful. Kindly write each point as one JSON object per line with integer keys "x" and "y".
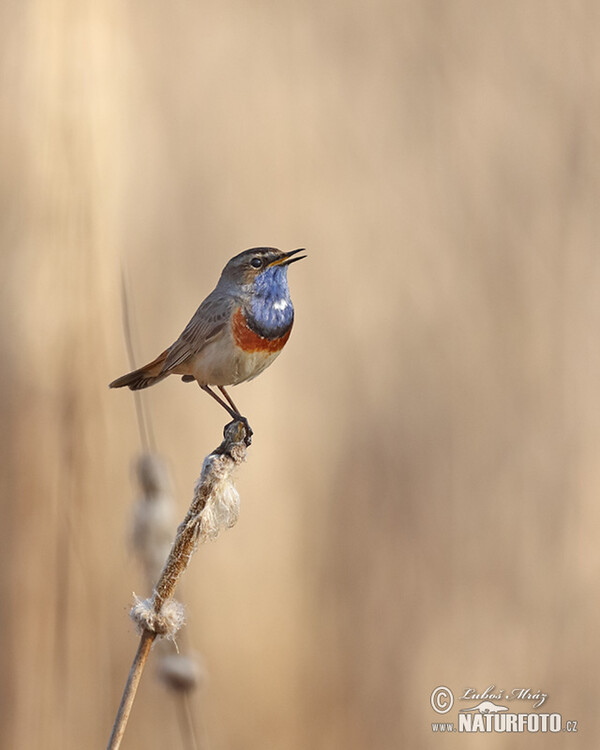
{"x": 271, "y": 311}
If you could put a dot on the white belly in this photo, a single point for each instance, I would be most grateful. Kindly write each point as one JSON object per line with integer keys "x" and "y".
{"x": 223, "y": 363}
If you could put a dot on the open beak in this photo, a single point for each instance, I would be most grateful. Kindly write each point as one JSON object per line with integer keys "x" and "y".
{"x": 288, "y": 258}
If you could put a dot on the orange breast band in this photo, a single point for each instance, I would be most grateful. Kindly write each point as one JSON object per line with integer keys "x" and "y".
{"x": 250, "y": 341}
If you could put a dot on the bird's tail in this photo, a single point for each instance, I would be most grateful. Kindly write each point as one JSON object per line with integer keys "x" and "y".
{"x": 144, "y": 376}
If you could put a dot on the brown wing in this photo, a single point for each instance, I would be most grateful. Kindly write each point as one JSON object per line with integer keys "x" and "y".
{"x": 207, "y": 324}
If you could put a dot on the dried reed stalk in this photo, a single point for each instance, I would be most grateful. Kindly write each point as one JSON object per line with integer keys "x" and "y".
{"x": 214, "y": 507}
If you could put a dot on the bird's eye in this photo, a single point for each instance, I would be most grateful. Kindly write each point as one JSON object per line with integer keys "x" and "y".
{"x": 256, "y": 262}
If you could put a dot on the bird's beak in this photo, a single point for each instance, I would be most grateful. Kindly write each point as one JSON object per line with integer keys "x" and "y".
{"x": 287, "y": 258}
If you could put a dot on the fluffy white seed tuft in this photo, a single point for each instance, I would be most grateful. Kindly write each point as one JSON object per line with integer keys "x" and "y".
{"x": 165, "y": 623}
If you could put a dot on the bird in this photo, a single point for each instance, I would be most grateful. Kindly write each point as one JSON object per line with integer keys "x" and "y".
{"x": 235, "y": 334}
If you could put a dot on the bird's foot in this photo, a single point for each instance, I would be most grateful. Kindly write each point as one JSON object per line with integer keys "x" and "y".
{"x": 247, "y": 429}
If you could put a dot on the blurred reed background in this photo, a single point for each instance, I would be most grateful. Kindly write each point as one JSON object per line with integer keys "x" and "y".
{"x": 420, "y": 506}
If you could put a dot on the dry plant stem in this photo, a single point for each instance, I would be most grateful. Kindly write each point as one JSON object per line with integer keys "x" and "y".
{"x": 217, "y": 468}
{"x": 135, "y": 675}
{"x": 230, "y": 453}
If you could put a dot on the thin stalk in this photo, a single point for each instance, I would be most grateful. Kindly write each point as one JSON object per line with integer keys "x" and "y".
{"x": 214, "y": 507}
{"x": 135, "y": 675}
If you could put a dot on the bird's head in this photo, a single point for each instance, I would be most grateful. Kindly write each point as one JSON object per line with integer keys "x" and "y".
{"x": 262, "y": 263}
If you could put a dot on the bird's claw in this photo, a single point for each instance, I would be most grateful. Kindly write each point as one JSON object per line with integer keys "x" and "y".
{"x": 248, "y": 431}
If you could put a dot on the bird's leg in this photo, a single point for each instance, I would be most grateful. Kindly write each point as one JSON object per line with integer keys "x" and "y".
{"x": 231, "y": 410}
{"x": 234, "y": 407}
{"x": 229, "y": 399}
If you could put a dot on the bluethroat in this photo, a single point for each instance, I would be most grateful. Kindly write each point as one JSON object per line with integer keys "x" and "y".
{"x": 235, "y": 334}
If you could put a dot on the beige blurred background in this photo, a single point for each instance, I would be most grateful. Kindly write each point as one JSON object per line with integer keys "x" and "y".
{"x": 420, "y": 506}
